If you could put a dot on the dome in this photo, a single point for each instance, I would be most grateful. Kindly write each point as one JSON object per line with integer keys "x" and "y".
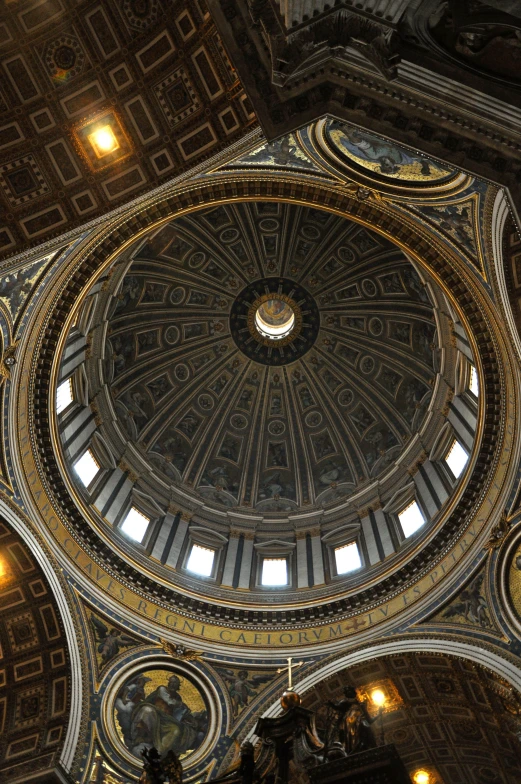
{"x": 263, "y": 366}
{"x": 240, "y": 420}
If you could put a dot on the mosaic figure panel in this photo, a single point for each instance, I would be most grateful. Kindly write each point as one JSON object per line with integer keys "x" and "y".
{"x": 160, "y": 708}
{"x": 378, "y": 156}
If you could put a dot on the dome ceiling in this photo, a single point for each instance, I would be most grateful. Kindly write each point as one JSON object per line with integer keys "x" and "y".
{"x": 279, "y": 432}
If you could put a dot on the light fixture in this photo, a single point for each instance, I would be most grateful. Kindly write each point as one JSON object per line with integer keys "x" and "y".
{"x": 379, "y": 698}
{"x": 421, "y": 777}
{"x": 103, "y": 141}
{"x": 6, "y": 574}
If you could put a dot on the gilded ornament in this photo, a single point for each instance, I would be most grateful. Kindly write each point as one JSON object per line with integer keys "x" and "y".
{"x": 180, "y": 652}
{"x": 7, "y": 362}
{"x": 498, "y": 533}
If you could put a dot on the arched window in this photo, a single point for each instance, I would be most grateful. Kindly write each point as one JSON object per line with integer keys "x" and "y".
{"x": 411, "y": 519}
{"x": 135, "y": 525}
{"x": 201, "y": 560}
{"x": 347, "y": 558}
{"x": 87, "y": 467}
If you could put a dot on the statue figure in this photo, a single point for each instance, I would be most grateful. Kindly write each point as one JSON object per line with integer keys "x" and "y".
{"x": 152, "y": 768}
{"x": 350, "y": 729}
{"x": 173, "y": 768}
{"x": 167, "y": 770}
{"x": 247, "y": 766}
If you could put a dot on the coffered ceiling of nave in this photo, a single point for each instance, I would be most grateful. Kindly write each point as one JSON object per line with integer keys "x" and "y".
{"x": 445, "y": 715}
{"x": 35, "y": 667}
{"x": 153, "y": 74}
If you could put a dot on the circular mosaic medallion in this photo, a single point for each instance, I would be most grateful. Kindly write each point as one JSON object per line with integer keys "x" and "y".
{"x": 269, "y": 224}
{"x": 229, "y": 235}
{"x": 376, "y": 327}
{"x": 367, "y": 365}
{"x": 369, "y": 288}
{"x": 172, "y": 335}
{"x": 345, "y": 397}
{"x": 206, "y": 402}
{"x": 177, "y": 295}
{"x": 274, "y": 321}
{"x": 161, "y": 707}
{"x": 196, "y": 259}
{"x": 346, "y": 255}
{"x": 238, "y": 421}
{"x": 181, "y": 372}
{"x": 310, "y": 232}
{"x": 313, "y": 419}
{"x": 276, "y": 428}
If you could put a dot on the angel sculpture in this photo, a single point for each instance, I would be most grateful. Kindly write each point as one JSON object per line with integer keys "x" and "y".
{"x": 242, "y": 687}
{"x": 110, "y": 642}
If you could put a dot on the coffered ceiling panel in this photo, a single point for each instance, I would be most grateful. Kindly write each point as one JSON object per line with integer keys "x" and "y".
{"x": 153, "y": 77}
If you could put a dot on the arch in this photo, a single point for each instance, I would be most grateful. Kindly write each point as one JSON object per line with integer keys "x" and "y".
{"x": 499, "y": 218}
{"x": 462, "y": 650}
{"x": 49, "y": 570}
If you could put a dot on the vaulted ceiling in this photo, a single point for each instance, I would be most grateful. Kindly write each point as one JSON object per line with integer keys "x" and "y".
{"x": 445, "y": 715}
{"x": 35, "y": 669}
{"x": 262, "y": 427}
{"x": 156, "y": 74}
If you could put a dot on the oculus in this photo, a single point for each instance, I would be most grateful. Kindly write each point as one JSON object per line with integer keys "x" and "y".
{"x": 274, "y": 321}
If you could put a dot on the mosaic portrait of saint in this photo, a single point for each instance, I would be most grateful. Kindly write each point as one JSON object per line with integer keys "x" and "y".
{"x": 162, "y": 709}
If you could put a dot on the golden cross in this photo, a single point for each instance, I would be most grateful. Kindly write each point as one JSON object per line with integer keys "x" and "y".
{"x": 290, "y": 668}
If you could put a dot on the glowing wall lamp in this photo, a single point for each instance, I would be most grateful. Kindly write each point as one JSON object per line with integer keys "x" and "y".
{"x": 421, "y": 777}
{"x": 379, "y": 699}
